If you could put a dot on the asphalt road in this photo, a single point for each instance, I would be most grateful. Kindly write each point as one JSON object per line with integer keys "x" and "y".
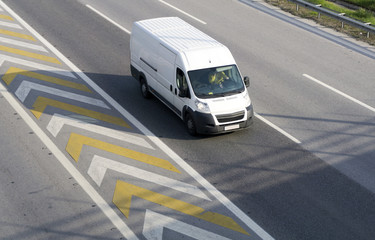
{"x": 321, "y": 188}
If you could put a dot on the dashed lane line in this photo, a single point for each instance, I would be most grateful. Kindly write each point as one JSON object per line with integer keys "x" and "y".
{"x": 86, "y": 186}
{"x": 107, "y": 18}
{"x": 339, "y": 92}
{"x": 183, "y": 12}
{"x": 278, "y": 129}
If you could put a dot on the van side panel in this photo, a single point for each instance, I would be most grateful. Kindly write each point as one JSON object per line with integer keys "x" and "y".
{"x": 142, "y": 55}
{"x": 166, "y": 73}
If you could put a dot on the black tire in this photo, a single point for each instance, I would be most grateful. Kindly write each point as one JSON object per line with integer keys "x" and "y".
{"x": 144, "y": 88}
{"x": 190, "y": 125}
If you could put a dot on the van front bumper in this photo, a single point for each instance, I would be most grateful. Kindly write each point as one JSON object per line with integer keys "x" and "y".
{"x": 205, "y": 123}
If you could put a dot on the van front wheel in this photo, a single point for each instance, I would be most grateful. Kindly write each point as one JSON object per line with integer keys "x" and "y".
{"x": 190, "y": 125}
{"x": 144, "y": 88}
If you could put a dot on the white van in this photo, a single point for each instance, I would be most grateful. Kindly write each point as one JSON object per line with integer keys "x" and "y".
{"x": 193, "y": 74}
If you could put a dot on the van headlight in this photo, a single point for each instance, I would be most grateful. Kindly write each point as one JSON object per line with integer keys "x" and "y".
{"x": 247, "y": 99}
{"x": 202, "y": 106}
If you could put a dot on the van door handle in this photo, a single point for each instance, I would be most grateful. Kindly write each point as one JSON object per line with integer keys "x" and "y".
{"x": 175, "y": 91}
{"x": 170, "y": 88}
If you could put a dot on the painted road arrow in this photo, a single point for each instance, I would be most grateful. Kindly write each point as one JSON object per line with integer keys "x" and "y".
{"x": 13, "y": 72}
{"x": 26, "y": 86}
{"x": 99, "y": 166}
{"x": 125, "y": 191}
{"x": 38, "y": 67}
{"x": 155, "y": 223}
{"x": 76, "y": 142}
{"x": 58, "y": 121}
{"x": 42, "y": 102}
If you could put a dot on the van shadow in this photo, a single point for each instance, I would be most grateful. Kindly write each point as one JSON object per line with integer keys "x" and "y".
{"x": 152, "y": 113}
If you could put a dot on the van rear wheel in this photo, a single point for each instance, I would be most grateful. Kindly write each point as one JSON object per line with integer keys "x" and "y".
{"x": 144, "y": 88}
{"x": 190, "y": 125}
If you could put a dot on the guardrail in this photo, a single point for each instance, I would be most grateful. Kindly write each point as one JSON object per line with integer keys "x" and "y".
{"x": 338, "y": 16}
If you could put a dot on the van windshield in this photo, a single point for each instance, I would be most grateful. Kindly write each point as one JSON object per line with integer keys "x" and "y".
{"x": 216, "y": 82}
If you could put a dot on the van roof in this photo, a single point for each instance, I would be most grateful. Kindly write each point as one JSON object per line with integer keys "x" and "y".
{"x": 178, "y": 34}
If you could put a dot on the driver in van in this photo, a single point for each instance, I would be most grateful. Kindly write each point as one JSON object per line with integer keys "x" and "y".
{"x": 217, "y": 78}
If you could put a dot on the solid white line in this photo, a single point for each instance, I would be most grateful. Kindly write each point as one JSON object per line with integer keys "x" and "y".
{"x": 108, "y": 19}
{"x": 183, "y": 12}
{"x": 11, "y": 25}
{"x": 58, "y": 121}
{"x": 155, "y": 223}
{"x": 99, "y": 166}
{"x": 191, "y": 171}
{"x": 340, "y": 93}
{"x": 278, "y": 129}
{"x": 65, "y": 162}
{"x": 23, "y": 44}
{"x": 25, "y": 87}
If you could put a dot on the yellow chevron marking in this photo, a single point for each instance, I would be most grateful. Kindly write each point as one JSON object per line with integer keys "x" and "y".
{"x": 16, "y": 34}
{"x": 76, "y": 142}
{"x": 12, "y": 72}
{"x": 2, "y": 16}
{"x": 124, "y": 192}
{"x": 29, "y": 54}
{"x": 41, "y": 103}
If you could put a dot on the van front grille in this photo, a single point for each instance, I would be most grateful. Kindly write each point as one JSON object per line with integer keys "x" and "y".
{"x": 223, "y": 118}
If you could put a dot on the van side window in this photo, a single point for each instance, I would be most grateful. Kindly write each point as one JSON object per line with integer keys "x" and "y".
{"x": 181, "y": 82}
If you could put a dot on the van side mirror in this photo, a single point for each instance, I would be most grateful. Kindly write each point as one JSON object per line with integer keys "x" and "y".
{"x": 183, "y": 93}
{"x": 246, "y": 81}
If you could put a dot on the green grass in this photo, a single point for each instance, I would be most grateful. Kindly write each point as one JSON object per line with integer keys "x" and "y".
{"x": 366, "y": 4}
{"x": 360, "y": 14}
{"x": 356, "y": 33}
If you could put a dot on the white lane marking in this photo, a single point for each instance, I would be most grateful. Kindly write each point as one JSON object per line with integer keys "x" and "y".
{"x": 202, "y": 181}
{"x": 25, "y": 87}
{"x": 183, "y": 12}
{"x": 65, "y": 162}
{"x": 11, "y": 25}
{"x": 155, "y": 223}
{"x": 108, "y": 19}
{"x": 23, "y": 44}
{"x": 278, "y": 129}
{"x": 340, "y": 93}
{"x": 99, "y": 166}
{"x": 38, "y": 66}
{"x": 60, "y": 156}
{"x": 58, "y": 121}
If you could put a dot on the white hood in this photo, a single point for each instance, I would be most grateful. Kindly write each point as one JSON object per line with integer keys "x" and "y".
{"x": 228, "y": 104}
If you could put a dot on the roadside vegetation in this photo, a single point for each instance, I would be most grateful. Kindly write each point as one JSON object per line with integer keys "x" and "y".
{"x": 360, "y": 10}
{"x": 366, "y": 4}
